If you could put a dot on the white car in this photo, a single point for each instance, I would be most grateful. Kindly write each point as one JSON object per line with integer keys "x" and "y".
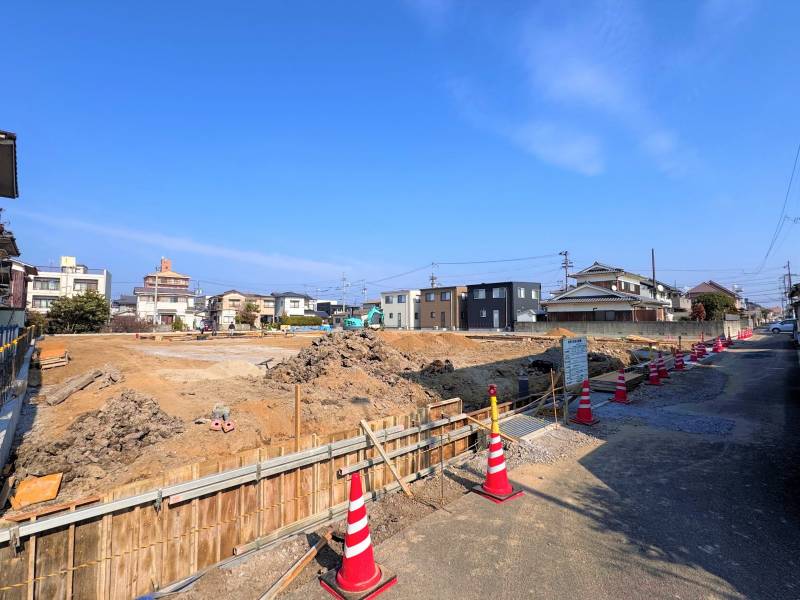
{"x": 785, "y": 326}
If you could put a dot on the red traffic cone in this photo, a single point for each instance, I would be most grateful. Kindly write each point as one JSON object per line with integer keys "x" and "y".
{"x": 701, "y": 350}
{"x": 584, "y": 414}
{"x": 679, "y": 366}
{"x": 653, "y": 380}
{"x": 693, "y": 355}
{"x": 359, "y": 576}
{"x": 717, "y": 346}
{"x": 662, "y": 369}
{"x": 496, "y": 487}
{"x": 621, "y": 391}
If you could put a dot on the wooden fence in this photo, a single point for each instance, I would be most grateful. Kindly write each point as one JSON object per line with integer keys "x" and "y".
{"x": 168, "y": 528}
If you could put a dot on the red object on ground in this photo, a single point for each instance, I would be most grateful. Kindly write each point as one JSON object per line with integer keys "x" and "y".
{"x": 359, "y": 576}
{"x": 717, "y": 346}
{"x": 216, "y": 425}
{"x": 693, "y": 355}
{"x": 662, "y": 369}
{"x": 496, "y": 487}
{"x": 584, "y": 414}
{"x": 653, "y": 380}
{"x": 621, "y": 391}
{"x": 228, "y": 426}
{"x": 679, "y": 365}
{"x": 701, "y": 350}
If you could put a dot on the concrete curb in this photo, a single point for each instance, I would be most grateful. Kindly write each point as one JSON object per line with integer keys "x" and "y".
{"x": 9, "y": 415}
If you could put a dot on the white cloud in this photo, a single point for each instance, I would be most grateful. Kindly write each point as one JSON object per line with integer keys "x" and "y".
{"x": 172, "y": 243}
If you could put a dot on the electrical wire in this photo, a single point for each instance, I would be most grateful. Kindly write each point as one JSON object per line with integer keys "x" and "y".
{"x": 782, "y": 215}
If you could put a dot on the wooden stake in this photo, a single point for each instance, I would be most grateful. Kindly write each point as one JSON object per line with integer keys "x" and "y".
{"x": 297, "y": 417}
{"x": 379, "y": 448}
{"x": 555, "y": 406}
{"x": 296, "y": 568}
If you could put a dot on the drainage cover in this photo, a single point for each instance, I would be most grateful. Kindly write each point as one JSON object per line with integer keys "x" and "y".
{"x": 521, "y": 426}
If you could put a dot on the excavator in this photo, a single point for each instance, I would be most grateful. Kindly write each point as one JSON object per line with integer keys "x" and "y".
{"x": 373, "y": 320}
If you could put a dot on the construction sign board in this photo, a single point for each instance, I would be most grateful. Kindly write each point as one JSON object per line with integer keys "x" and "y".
{"x": 575, "y": 353}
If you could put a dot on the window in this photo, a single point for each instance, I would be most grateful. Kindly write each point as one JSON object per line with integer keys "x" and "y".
{"x": 483, "y": 313}
{"x": 479, "y": 294}
{"x": 499, "y": 292}
{"x": 235, "y": 301}
{"x": 521, "y": 292}
{"x": 391, "y": 315}
{"x": 433, "y": 314}
{"x": 444, "y": 296}
{"x": 534, "y": 295}
{"x": 45, "y": 284}
{"x": 42, "y": 302}
{"x": 389, "y": 299}
{"x": 294, "y": 303}
{"x": 416, "y": 316}
{"x": 269, "y": 303}
{"x": 81, "y": 285}
{"x": 430, "y": 296}
{"x": 401, "y": 298}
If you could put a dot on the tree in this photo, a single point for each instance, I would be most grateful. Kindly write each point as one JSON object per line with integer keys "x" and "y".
{"x": 84, "y": 313}
{"x": 36, "y": 319}
{"x": 247, "y": 314}
{"x": 698, "y": 312}
{"x": 716, "y": 305}
{"x": 130, "y": 324}
{"x": 177, "y": 324}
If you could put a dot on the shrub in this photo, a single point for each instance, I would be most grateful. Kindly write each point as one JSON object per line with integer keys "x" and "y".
{"x": 84, "y": 313}
{"x": 177, "y": 324}
{"x": 301, "y": 320}
{"x": 36, "y": 319}
{"x": 130, "y": 324}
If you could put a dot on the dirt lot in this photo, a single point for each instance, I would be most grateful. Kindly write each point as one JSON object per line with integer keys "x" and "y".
{"x": 343, "y": 378}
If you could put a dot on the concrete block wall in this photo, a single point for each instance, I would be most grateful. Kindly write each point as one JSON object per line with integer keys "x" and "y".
{"x": 644, "y": 328}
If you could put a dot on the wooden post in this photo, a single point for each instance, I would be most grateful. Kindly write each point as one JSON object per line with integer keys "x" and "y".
{"x": 555, "y": 407}
{"x": 297, "y": 417}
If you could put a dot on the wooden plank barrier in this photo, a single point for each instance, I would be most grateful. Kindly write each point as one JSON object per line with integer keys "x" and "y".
{"x": 150, "y": 544}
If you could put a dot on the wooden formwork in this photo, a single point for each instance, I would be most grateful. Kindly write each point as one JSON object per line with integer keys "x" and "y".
{"x": 144, "y": 547}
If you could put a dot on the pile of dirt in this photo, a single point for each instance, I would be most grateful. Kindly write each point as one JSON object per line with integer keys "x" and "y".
{"x": 560, "y": 332}
{"x": 100, "y": 441}
{"x": 330, "y": 354}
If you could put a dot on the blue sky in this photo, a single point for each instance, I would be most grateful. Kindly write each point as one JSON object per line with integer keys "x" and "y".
{"x": 267, "y": 145}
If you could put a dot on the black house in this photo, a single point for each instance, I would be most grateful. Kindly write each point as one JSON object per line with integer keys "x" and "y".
{"x": 502, "y": 305}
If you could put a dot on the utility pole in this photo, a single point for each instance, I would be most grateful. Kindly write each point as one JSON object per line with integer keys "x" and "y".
{"x": 155, "y": 299}
{"x": 653, "y": 265}
{"x": 345, "y": 286}
{"x": 566, "y": 264}
{"x": 789, "y": 288}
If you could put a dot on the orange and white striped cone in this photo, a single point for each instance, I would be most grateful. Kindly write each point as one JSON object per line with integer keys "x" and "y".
{"x": 584, "y": 415}
{"x": 653, "y": 379}
{"x": 693, "y": 355}
{"x": 496, "y": 487}
{"x": 701, "y": 350}
{"x": 662, "y": 369}
{"x": 621, "y": 391}
{"x": 717, "y": 346}
{"x": 679, "y": 365}
{"x": 359, "y": 577}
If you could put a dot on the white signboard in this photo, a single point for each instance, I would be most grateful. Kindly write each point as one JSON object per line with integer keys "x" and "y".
{"x": 575, "y": 352}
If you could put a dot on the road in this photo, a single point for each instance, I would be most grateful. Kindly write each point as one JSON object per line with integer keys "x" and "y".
{"x": 650, "y": 513}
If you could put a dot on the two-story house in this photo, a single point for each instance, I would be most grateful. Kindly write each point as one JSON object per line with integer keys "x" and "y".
{"x": 712, "y": 287}
{"x": 67, "y": 280}
{"x": 443, "y": 308}
{"x": 292, "y": 304}
{"x": 401, "y": 309}
{"x": 165, "y": 297}
{"x": 606, "y": 293}
{"x": 223, "y": 308}
{"x": 502, "y": 305}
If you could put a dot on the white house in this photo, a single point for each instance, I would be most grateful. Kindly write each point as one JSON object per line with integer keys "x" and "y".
{"x": 68, "y": 280}
{"x": 401, "y": 309}
{"x": 166, "y": 297}
{"x": 292, "y": 304}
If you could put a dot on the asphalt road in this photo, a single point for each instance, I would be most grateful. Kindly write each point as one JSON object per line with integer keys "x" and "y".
{"x": 651, "y": 513}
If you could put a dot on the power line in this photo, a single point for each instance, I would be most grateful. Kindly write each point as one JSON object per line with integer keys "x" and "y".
{"x": 782, "y": 215}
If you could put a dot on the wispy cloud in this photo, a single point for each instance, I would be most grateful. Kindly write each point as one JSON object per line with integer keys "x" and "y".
{"x": 595, "y": 62}
{"x": 172, "y": 243}
{"x": 547, "y": 140}
{"x": 433, "y": 13}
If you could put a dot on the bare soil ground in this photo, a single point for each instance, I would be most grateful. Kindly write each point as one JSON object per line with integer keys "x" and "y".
{"x": 343, "y": 378}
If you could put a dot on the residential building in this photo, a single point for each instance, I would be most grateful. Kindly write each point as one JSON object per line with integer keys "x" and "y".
{"x": 292, "y": 304}
{"x": 165, "y": 297}
{"x": 15, "y": 276}
{"x": 124, "y": 305}
{"x": 503, "y": 304}
{"x": 400, "y": 309}
{"x": 443, "y": 308}
{"x": 606, "y": 293}
{"x": 712, "y": 287}
{"x": 332, "y": 307}
{"x": 222, "y": 308}
{"x": 69, "y": 279}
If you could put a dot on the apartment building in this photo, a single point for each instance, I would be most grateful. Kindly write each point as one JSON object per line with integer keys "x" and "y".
{"x": 401, "y": 309}
{"x": 502, "y": 305}
{"x": 223, "y": 308}
{"x": 69, "y": 279}
{"x": 165, "y": 297}
{"x": 443, "y": 308}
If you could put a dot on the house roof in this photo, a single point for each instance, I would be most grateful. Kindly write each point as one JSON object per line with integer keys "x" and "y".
{"x": 291, "y": 295}
{"x": 126, "y": 299}
{"x": 440, "y": 288}
{"x": 712, "y": 284}
{"x": 600, "y": 294}
{"x": 246, "y": 294}
{"x": 474, "y": 285}
{"x": 168, "y": 274}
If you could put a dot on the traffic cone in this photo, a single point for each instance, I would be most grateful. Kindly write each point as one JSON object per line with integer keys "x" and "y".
{"x": 701, "y": 350}
{"x": 693, "y": 355}
{"x": 662, "y": 369}
{"x": 621, "y": 392}
{"x": 496, "y": 487}
{"x": 679, "y": 366}
{"x": 584, "y": 414}
{"x": 653, "y": 380}
{"x": 717, "y": 346}
{"x": 359, "y": 577}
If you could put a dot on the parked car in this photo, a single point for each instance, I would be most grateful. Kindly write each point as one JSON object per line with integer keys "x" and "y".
{"x": 785, "y": 326}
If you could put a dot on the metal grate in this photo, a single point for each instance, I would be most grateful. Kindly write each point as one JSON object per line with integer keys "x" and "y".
{"x": 523, "y": 425}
